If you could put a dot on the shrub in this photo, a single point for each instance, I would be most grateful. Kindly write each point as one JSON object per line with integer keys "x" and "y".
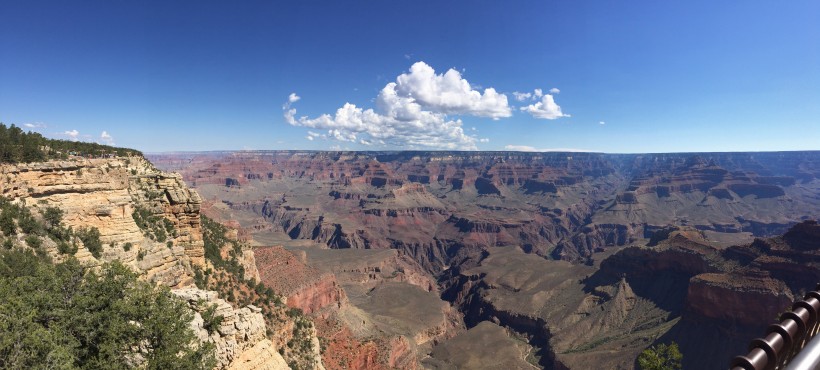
{"x": 53, "y": 217}
{"x": 66, "y": 318}
{"x": 33, "y": 241}
{"x": 661, "y": 357}
{"x": 28, "y": 224}
{"x": 65, "y": 248}
{"x": 153, "y": 226}
{"x": 127, "y": 246}
{"x": 91, "y": 240}
{"x": 211, "y": 321}
{"x": 7, "y": 223}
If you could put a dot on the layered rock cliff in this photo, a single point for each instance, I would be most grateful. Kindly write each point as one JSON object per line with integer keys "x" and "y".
{"x": 561, "y": 205}
{"x": 305, "y": 288}
{"x": 150, "y": 221}
{"x": 104, "y": 194}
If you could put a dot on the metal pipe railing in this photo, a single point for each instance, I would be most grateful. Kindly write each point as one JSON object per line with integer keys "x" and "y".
{"x": 785, "y": 340}
{"x": 808, "y": 358}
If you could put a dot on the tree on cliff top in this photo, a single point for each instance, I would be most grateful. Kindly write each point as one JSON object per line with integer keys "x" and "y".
{"x": 59, "y": 316}
{"x": 661, "y": 357}
{"x": 18, "y": 146}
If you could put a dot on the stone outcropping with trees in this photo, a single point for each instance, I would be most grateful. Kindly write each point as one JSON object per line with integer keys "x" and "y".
{"x": 123, "y": 233}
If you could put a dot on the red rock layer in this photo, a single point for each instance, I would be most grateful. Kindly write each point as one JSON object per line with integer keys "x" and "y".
{"x": 305, "y": 287}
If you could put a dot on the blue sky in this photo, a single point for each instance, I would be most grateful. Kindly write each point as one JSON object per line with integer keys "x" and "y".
{"x": 636, "y": 76}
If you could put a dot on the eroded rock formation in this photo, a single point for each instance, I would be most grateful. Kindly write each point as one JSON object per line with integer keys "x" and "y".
{"x": 484, "y": 230}
{"x": 239, "y": 339}
{"x": 149, "y": 220}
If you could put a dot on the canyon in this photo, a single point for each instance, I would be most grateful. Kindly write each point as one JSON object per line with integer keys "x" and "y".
{"x": 556, "y": 260}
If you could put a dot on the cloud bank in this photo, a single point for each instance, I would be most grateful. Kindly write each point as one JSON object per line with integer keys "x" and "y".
{"x": 419, "y": 109}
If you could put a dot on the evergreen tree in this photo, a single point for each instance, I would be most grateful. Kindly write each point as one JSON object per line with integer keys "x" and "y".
{"x": 59, "y": 316}
{"x": 661, "y": 357}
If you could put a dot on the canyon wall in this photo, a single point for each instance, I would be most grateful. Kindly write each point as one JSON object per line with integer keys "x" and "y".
{"x": 106, "y": 194}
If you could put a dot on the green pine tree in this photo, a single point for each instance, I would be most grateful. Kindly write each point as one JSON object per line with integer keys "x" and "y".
{"x": 661, "y": 357}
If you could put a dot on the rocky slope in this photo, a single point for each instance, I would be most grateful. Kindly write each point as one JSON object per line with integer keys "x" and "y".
{"x": 304, "y": 287}
{"x": 149, "y": 220}
{"x": 240, "y": 338}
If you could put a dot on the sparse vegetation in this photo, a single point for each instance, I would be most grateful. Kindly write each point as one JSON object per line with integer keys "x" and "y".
{"x": 53, "y": 217}
{"x": 48, "y": 223}
{"x": 66, "y": 248}
{"x": 153, "y": 226}
{"x": 228, "y": 279}
{"x": 213, "y": 233}
{"x": 211, "y": 320}
{"x": 7, "y": 225}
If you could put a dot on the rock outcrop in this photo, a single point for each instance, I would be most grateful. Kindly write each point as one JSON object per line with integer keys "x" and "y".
{"x": 104, "y": 194}
{"x": 150, "y": 221}
{"x": 729, "y": 297}
{"x": 239, "y": 339}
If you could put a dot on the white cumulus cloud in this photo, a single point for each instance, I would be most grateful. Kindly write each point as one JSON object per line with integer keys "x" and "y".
{"x": 293, "y": 98}
{"x": 522, "y": 96}
{"x": 555, "y": 90}
{"x": 412, "y": 112}
{"x": 73, "y": 134}
{"x": 601, "y": 123}
{"x": 105, "y": 138}
{"x": 545, "y": 109}
{"x": 449, "y": 93}
{"x": 312, "y": 135}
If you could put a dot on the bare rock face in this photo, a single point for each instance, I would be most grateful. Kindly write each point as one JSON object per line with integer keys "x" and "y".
{"x": 747, "y": 300}
{"x": 168, "y": 194}
{"x": 306, "y": 288}
{"x": 240, "y": 339}
{"x": 104, "y": 193}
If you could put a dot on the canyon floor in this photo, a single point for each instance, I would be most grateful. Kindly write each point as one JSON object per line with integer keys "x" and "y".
{"x": 531, "y": 260}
